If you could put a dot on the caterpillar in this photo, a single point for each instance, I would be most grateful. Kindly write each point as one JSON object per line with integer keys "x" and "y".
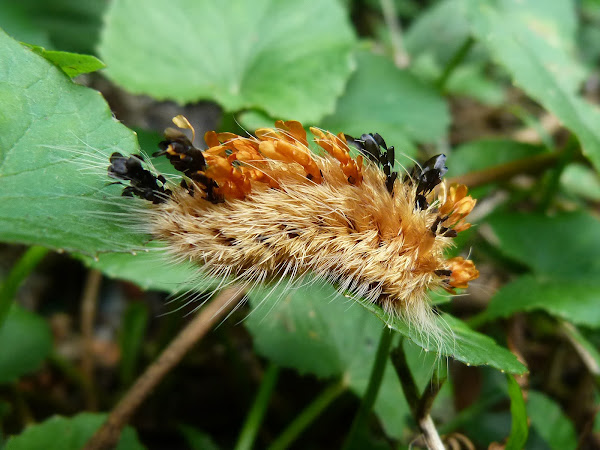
{"x": 263, "y": 207}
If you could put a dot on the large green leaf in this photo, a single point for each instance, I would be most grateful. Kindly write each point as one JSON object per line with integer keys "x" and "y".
{"x": 382, "y": 99}
{"x": 152, "y": 270}
{"x": 50, "y": 131}
{"x": 290, "y": 58}
{"x": 25, "y": 340}
{"x": 562, "y": 251}
{"x": 62, "y": 433}
{"x": 550, "y": 422}
{"x": 15, "y": 20}
{"x": 574, "y": 300}
{"x": 458, "y": 341}
{"x": 69, "y": 25}
{"x": 55, "y": 141}
{"x": 534, "y": 40}
{"x": 565, "y": 245}
{"x": 440, "y": 30}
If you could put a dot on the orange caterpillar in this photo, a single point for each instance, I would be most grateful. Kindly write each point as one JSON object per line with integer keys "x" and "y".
{"x": 261, "y": 208}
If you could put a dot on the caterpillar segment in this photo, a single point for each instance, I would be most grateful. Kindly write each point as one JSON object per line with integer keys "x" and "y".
{"x": 259, "y": 208}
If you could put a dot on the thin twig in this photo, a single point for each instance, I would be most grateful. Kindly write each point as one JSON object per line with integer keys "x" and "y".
{"x": 420, "y": 406}
{"x": 532, "y": 165}
{"x": 89, "y": 303}
{"x": 401, "y": 58}
{"x": 108, "y": 435}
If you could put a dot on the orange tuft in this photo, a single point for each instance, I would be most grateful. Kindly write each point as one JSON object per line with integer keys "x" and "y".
{"x": 337, "y": 147}
{"x": 457, "y": 206}
{"x": 463, "y": 271}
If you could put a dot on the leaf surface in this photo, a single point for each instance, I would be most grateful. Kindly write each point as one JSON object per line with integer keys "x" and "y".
{"x": 534, "y": 40}
{"x": 26, "y": 341}
{"x": 68, "y": 433}
{"x": 291, "y": 59}
{"x": 382, "y": 99}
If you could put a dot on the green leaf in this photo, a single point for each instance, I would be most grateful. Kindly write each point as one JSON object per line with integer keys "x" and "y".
{"x": 578, "y": 179}
{"x": 587, "y": 351}
{"x": 548, "y": 419}
{"x": 472, "y": 80}
{"x": 291, "y": 59}
{"x": 535, "y": 41}
{"x": 394, "y": 103}
{"x": 572, "y": 300}
{"x": 69, "y": 25}
{"x": 15, "y": 20}
{"x": 152, "y": 269}
{"x": 483, "y": 153}
{"x": 314, "y": 330}
{"x": 68, "y": 433}
{"x": 72, "y": 64}
{"x": 564, "y": 246}
{"x": 26, "y": 341}
{"x": 197, "y": 439}
{"x": 458, "y": 341}
{"x": 55, "y": 139}
{"x": 440, "y": 30}
{"x": 9, "y": 286}
{"x": 519, "y": 429}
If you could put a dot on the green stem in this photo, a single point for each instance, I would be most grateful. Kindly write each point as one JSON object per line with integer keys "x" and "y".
{"x": 381, "y": 358}
{"x": 257, "y": 412}
{"x": 456, "y": 59}
{"x": 308, "y": 415}
{"x": 552, "y": 185}
{"x": 420, "y": 405}
{"x": 409, "y": 387}
{"x": 20, "y": 271}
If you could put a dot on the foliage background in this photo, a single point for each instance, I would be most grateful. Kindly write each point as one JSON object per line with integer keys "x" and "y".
{"x": 506, "y": 88}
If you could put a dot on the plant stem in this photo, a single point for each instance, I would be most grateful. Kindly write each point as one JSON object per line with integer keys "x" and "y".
{"x": 531, "y": 165}
{"x": 89, "y": 302}
{"x": 258, "y": 410}
{"x": 564, "y": 158}
{"x": 20, "y": 271}
{"x": 308, "y": 415}
{"x": 108, "y": 435}
{"x": 381, "y": 358}
{"x": 390, "y": 17}
{"x": 420, "y": 406}
{"x": 456, "y": 59}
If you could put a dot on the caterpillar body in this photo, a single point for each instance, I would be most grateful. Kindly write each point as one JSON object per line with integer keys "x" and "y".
{"x": 265, "y": 207}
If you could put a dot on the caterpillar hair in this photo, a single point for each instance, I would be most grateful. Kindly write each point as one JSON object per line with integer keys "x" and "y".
{"x": 265, "y": 207}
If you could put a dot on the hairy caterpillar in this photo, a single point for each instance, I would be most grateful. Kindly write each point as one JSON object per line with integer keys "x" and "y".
{"x": 260, "y": 208}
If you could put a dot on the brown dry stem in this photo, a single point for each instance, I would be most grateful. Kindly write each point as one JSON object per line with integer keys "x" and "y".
{"x": 532, "y": 165}
{"x": 89, "y": 303}
{"x": 108, "y": 435}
